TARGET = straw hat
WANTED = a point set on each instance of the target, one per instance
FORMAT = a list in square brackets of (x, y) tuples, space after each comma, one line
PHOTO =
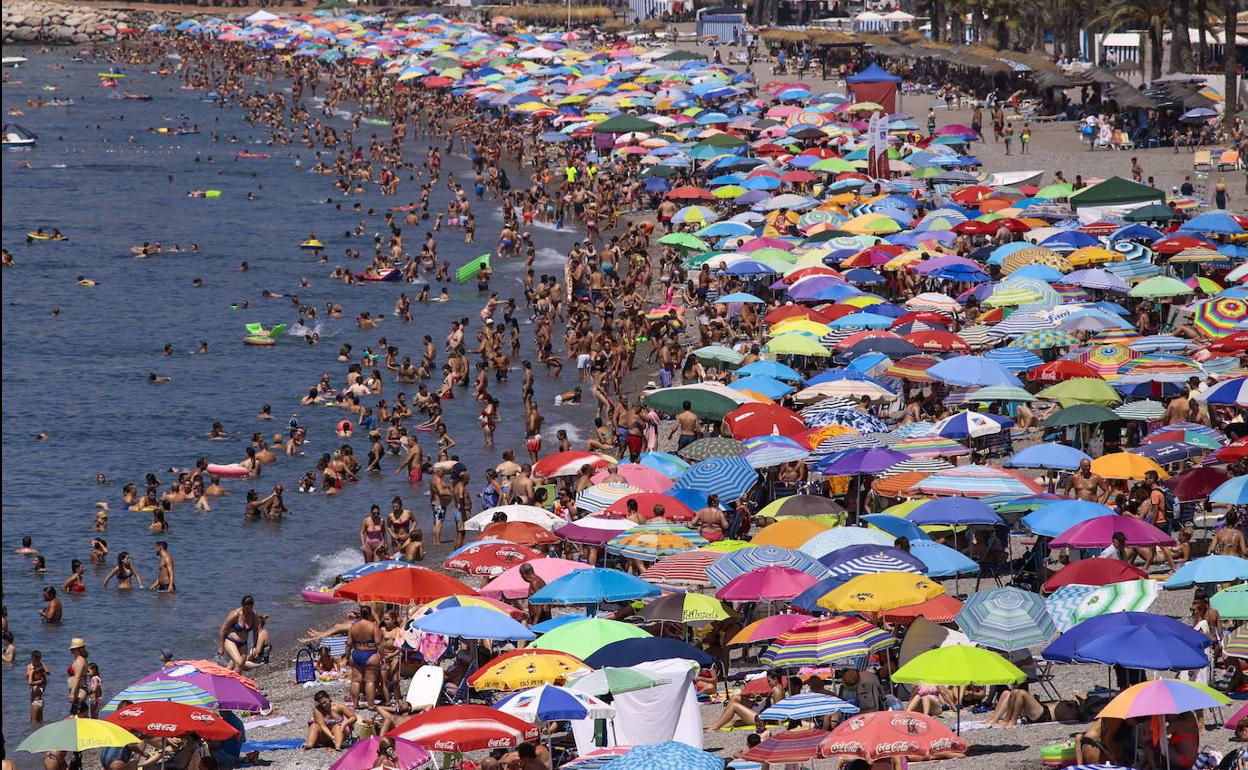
[(77, 643)]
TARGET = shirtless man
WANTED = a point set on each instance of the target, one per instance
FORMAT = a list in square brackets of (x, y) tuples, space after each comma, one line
[(635, 440), (164, 577), (522, 485), (439, 498), (1083, 484), (533, 420), (689, 426)]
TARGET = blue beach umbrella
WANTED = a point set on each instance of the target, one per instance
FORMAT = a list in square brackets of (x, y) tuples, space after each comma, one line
[(742, 297), (1232, 492), (374, 566), (737, 563), (1014, 359), (473, 623), (667, 756), (853, 560), (549, 703), (806, 705), (770, 388), (941, 560), (896, 526), (1055, 456), (594, 586), (954, 511), (1232, 392), (630, 652), (728, 477), (1212, 222), (1209, 569), (972, 370), (1133, 640), (773, 369), (770, 451), (1055, 518), (546, 626), (664, 462)]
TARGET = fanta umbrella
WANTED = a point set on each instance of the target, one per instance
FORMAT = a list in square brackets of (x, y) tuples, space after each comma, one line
[(790, 746), (1055, 518), (614, 681), (880, 592), (651, 542), (569, 463), (826, 641), (550, 703), (364, 755), (165, 719), (491, 558), (688, 568), (667, 756), (630, 652), (1163, 697), (806, 705), (769, 627), (733, 565), (1099, 532), (688, 609), (1071, 605), (594, 586), (466, 728), (959, 666), (1209, 569), (175, 691), (1093, 572), (1125, 465), (473, 623), (586, 637), (883, 734), (788, 533), (524, 668), (1134, 640), (1232, 603), (1006, 618), (510, 585), (766, 584), (76, 735)]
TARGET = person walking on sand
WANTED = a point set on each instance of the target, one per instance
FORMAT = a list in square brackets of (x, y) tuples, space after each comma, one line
[(1137, 171), (1024, 139)]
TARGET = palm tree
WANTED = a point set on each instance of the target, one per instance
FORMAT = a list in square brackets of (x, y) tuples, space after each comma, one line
[(1230, 56), (1151, 15), (1180, 41)]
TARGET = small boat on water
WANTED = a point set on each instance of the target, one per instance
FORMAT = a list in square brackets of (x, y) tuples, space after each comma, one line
[(16, 136), (13, 61)]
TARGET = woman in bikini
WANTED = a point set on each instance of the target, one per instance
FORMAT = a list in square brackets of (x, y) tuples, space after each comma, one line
[(75, 583), (364, 650), (239, 628), (124, 572), (399, 524), (372, 534), (37, 680)]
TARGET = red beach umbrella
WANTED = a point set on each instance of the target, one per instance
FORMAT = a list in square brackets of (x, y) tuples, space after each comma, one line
[(166, 719), (1093, 572), (1060, 371), (568, 463), (1196, 483), (690, 193), (750, 420), (936, 339), (406, 585), (673, 509), (466, 728), (522, 532), (491, 558), (890, 734), (787, 747)]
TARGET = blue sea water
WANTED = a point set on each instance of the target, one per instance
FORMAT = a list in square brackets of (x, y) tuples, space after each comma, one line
[(81, 375)]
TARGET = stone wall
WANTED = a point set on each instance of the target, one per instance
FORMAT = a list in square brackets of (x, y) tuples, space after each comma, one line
[(34, 21)]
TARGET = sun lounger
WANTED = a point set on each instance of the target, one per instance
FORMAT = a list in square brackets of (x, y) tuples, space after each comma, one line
[(1202, 160), (1229, 161)]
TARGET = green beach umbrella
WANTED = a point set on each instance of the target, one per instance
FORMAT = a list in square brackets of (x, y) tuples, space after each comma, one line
[(719, 353), (585, 637), (1160, 286), (1082, 390), (833, 165), (613, 681), (710, 401), (685, 241), (1153, 212), (796, 344), (727, 191), (625, 124), (712, 446), (1232, 603), (1059, 191), (959, 666), (1080, 414)]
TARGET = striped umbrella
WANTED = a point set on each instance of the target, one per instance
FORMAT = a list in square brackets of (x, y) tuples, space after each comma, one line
[(788, 747), (732, 565), (835, 640), (1015, 358), (1093, 255), (1161, 343), (977, 336), (977, 481), (925, 466), (1204, 430), (1006, 619), (806, 705), (999, 393), (1035, 255), (838, 444), (1236, 644), (728, 477), (1019, 324), (1131, 250), (714, 446), (1062, 603), (687, 568), (1141, 410), (1096, 278), (912, 368), (913, 430), (1044, 339), (173, 690), (1128, 596), (1134, 269), (599, 496), (1106, 360), (651, 542), (1219, 316), (837, 538), (770, 451), (869, 560), (851, 418), (831, 404), (664, 462)]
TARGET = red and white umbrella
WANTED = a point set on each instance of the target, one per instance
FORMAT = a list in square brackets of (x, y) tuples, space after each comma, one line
[(166, 719), (569, 463), (490, 558), (466, 728)]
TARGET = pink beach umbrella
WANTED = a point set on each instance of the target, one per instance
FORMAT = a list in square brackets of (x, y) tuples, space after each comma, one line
[(1099, 532), (510, 585), (766, 584), (363, 756), (643, 477)]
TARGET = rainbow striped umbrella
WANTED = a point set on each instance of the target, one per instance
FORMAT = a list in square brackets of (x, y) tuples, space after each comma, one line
[(927, 465), (1219, 316), (1163, 697), (913, 368), (826, 641), (788, 747), (687, 568), (173, 690), (1106, 360), (977, 481), (1237, 645)]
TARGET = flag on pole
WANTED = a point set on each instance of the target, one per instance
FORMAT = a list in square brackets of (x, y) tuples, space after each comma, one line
[(877, 147), (470, 270)]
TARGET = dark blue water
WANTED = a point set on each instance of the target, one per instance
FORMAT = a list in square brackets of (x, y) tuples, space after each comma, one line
[(81, 376)]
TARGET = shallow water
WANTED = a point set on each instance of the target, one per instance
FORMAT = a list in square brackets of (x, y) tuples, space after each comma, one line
[(81, 376)]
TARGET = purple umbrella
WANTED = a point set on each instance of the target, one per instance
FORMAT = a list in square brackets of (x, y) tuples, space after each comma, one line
[(363, 755), (574, 533), (856, 461), (1099, 532), (230, 692)]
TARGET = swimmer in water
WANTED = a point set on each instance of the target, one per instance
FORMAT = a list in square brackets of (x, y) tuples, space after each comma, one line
[(154, 377)]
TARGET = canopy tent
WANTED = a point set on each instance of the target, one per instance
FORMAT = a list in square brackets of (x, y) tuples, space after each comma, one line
[(1113, 198), (875, 84)]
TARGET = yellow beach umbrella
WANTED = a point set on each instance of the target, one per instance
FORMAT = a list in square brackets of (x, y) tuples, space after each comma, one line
[(880, 592), (1125, 465)]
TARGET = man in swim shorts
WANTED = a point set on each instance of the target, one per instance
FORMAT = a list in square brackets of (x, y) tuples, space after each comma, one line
[(439, 499)]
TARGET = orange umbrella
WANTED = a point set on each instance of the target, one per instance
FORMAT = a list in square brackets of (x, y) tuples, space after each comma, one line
[(942, 609), (406, 585), (788, 533), (898, 485), (522, 532)]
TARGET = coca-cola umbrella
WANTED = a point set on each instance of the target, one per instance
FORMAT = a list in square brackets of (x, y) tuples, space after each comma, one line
[(166, 719), (490, 558), (882, 734), (466, 728)]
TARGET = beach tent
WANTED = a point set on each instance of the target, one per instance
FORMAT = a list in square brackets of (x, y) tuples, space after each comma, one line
[(875, 84), (1112, 199), (260, 17)]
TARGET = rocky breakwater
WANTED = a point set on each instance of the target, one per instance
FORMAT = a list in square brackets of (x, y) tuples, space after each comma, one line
[(31, 21)]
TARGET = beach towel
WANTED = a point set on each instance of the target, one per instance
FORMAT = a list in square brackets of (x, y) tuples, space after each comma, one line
[(270, 722), (277, 744)]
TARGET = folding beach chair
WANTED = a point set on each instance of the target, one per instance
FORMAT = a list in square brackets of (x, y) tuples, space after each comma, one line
[(1202, 160)]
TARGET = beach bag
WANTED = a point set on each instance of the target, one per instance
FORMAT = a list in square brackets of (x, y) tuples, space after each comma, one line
[(305, 667), (1058, 754)]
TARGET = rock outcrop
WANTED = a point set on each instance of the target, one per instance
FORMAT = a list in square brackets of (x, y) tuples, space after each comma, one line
[(35, 21)]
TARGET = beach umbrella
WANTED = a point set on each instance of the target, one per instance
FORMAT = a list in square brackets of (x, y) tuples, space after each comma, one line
[(1196, 483), (551, 703), (941, 560), (490, 558), (175, 691), (166, 719), (79, 734), (826, 641), (410, 585), (970, 424), (685, 608), (673, 509), (772, 369), (1209, 569), (631, 652), (830, 540), (1144, 411), (1162, 697), (771, 451), (769, 627), (868, 559), (1080, 414), (568, 464), (1232, 603), (1133, 640), (713, 446), (790, 746), (958, 666), (1054, 456), (1073, 604), (1054, 518), (511, 585), (752, 420), (614, 681), (688, 568), (670, 755), (525, 668), (788, 533), (884, 734), (585, 637), (1006, 618), (666, 463), (650, 542), (976, 481), (1082, 390), (464, 728), (1160, 286), (1092, 573), (232, 691), (728, 477), (687, 240), (364, 754), (766, 584), (1219, 316), (972, 370), (806, 705), (730, 566), (709, 401), (954, 511), (1232, 392), (460, 600), (522, 532), (1125, 465), (472, 623), (859, 461), (880, 592), (1098, 533)]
